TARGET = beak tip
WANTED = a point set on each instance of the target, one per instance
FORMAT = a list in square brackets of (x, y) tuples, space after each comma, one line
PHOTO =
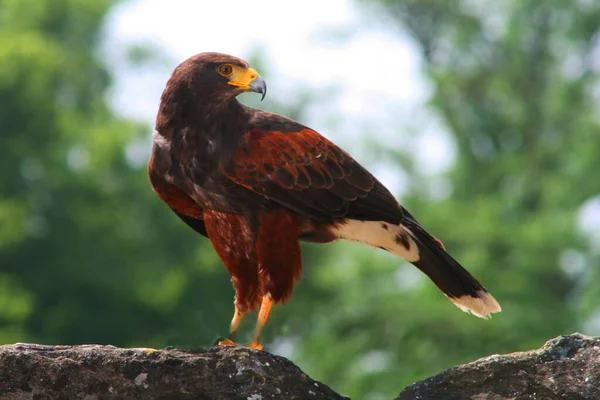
[(259, 86)]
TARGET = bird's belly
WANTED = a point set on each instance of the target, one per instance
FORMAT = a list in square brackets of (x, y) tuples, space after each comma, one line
[(226, 198), (214, 200)]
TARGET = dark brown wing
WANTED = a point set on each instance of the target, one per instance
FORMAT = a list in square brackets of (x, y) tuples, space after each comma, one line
[(307, 173), (179, 202), (196, 224)]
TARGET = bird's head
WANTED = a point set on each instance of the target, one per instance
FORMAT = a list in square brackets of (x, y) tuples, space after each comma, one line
[(219, 75)]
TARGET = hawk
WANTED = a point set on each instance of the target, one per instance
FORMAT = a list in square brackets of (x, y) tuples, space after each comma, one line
[(257, 183)]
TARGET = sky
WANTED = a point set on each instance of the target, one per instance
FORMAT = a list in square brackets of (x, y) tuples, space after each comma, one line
[(298, 39)]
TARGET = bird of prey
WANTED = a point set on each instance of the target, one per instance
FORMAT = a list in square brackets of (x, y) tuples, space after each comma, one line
[(257, 183)]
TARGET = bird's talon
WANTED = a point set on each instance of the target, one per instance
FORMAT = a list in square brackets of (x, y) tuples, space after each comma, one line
[(256, 346), (226, 342)]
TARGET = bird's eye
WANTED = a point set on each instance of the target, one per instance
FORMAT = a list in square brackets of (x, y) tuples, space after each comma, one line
[(225, 69)]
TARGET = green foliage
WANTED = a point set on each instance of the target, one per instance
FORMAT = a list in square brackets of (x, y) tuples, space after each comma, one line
[(88, 253), (512, 85)]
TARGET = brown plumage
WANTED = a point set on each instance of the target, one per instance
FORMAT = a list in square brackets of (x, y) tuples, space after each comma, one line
[(257, 183)]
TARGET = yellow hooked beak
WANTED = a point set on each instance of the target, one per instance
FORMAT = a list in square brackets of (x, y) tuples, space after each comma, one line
[(248, 79)]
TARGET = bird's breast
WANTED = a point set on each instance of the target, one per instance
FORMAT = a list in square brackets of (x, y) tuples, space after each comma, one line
[(193, 158)]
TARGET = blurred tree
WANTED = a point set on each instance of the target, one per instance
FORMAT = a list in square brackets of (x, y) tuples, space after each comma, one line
[(515, 86), (87, 251)]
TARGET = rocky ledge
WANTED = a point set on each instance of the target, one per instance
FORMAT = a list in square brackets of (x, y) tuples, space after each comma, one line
[(567, 367)]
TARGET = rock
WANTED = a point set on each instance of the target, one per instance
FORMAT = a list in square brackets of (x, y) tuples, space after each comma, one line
[(567, 367), (106, 372)]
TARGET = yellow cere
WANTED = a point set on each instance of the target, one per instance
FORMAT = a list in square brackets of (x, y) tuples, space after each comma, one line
[(242, 77)]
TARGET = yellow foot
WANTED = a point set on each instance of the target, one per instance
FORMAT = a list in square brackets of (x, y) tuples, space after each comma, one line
[(226, 342), (256, 346)]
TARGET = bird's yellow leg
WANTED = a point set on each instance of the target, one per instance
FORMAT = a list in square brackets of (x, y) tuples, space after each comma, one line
[(235, 323), (263, 316)]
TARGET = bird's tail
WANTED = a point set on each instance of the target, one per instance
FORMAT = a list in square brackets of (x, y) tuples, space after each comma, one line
[(450, 277), (411, 242)]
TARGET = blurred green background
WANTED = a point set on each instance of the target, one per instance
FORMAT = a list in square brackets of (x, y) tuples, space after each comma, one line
[(89, 254)]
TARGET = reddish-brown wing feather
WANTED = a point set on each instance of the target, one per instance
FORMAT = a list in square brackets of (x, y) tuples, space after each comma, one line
[(309, 174)]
